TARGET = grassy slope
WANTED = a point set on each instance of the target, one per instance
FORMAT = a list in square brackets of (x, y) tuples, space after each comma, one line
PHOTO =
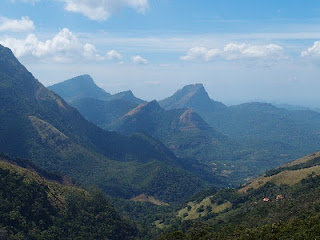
[(288, 174), (296, 216)]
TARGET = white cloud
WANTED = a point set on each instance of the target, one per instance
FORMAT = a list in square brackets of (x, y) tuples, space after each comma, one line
[(139, 60), (16, 25), (237, 51), (91, 53), (101, 10), (63, 47), (201, 53), (113, 55), (234, 51), (313, 51)]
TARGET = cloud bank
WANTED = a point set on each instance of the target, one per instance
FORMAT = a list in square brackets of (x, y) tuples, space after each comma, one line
[(234, 51), (63, 47)]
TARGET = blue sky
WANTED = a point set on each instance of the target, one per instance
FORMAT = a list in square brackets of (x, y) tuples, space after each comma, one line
[(241, 50)]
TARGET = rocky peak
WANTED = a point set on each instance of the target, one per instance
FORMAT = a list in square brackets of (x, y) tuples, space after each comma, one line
[(189, 96)]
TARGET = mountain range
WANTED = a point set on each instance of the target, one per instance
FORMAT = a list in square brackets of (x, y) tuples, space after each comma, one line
[(277, 133), (181, 130), (236, 142), (94, 103), (292, 133), (37, 124)]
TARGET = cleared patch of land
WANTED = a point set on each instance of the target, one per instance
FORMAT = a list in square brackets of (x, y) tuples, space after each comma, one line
[(206, 206)]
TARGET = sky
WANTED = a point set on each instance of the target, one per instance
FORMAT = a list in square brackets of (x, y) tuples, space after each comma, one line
[(241, 50)]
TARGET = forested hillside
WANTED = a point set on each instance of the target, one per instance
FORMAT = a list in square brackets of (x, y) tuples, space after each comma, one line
[(33, 207)]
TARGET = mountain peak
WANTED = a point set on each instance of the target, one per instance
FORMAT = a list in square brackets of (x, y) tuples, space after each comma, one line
[(79, 87), (196, 86), (128, 93), (192, 96), (189, 96), (193, 89), (128, 96), (10, 66), (147, 107), (84, 79), (153, 105)]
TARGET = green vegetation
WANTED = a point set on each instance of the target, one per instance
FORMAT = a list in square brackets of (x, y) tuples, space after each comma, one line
[(288, 174), (187, 135), (299, 166), (292, 211), (32, 207), (205, 207), (183, 131)]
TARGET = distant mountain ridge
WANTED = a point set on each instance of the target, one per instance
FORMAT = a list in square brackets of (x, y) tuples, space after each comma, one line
[(83, 86), (252, 132), (44, 128), (261, 126), (94, 103), (181, 130), (150, 118), (79, 87), (257, 132)]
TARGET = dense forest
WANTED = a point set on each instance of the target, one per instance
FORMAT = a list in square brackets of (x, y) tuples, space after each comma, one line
[(33, 207)]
